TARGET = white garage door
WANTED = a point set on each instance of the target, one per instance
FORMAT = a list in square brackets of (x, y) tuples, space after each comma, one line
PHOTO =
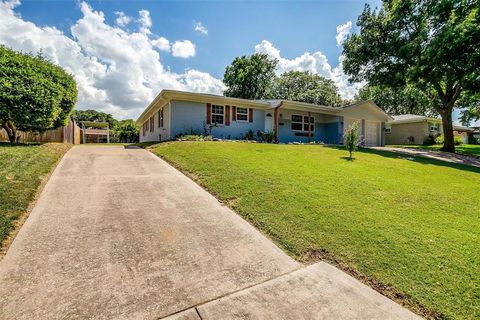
[(372, 130)]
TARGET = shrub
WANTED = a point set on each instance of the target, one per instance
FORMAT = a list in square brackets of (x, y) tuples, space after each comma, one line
[(473, 140), (351, 138), (265, 136), (193, 137), (430, 140), (456, 138), (249, 135)]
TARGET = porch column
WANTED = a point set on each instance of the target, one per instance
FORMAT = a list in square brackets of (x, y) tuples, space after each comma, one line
[(309, 129), (382, 135), (275, 121), (340, 129)]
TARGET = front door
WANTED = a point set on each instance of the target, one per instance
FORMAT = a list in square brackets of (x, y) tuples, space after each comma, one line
[(268, 122)]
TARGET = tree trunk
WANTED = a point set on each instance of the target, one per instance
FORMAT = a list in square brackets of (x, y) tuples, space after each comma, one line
[(11, 131), (448, 141)]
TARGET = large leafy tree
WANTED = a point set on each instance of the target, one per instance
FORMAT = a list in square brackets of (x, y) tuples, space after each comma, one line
[(430, 45), (94, 116), (305, 87), (250, 77), (398, 101), (35, 94), (126, 131)]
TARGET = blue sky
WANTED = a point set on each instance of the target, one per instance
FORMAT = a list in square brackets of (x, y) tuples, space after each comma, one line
[(123, 53)]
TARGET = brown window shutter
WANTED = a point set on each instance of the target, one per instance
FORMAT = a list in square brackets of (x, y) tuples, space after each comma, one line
[(161, 118), (234, 113), (209, 113), (227, 115), (250, 115)]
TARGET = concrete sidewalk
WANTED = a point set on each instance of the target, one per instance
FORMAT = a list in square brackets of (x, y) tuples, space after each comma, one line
[(433, 154), (119, 234)]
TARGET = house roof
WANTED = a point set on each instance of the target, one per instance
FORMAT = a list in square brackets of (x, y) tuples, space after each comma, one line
[(409, 118), (412, 118), (165, 96)]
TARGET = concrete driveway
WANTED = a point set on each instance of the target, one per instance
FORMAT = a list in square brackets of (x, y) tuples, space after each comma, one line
[(119, 234)]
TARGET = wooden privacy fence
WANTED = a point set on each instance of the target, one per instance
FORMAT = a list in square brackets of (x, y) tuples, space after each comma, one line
[(68, 134)]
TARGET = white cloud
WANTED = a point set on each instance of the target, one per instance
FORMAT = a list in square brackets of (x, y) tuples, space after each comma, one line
[(199, 27), (116, 71), (122, 20), (316, 63), (183, 49), (343, 31), (162, 44), (145, 21)]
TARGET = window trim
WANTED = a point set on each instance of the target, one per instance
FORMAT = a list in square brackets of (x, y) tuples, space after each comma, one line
[(303, 123), (433, 125), (218, 114), (246, 114)]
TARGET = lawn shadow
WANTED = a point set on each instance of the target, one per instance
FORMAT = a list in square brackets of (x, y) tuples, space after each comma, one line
[(348, 159), (417, 159)]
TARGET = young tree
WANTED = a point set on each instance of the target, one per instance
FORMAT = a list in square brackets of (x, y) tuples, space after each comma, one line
[(306, 87), (250, 77), (351, 138), (431, 45), (35, 95)]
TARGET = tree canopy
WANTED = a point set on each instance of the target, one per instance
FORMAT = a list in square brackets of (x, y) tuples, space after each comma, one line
[(397, 101), (35, 94), (95, 116), (430, 45), (250, 77), (305, 87)]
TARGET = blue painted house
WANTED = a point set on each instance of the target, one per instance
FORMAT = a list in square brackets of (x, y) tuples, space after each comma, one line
[(175, 113)]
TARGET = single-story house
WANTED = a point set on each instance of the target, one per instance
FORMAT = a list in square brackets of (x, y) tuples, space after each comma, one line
[(415, 129), (175, 113)]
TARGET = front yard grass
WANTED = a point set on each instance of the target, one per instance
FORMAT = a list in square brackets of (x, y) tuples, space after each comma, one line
[(465, 149), (22, 168), (410, 225)]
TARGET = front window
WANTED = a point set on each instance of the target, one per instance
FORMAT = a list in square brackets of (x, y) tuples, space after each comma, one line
[(433, 127), (300, 123), (388, 129), (242, 114), (218, 114)]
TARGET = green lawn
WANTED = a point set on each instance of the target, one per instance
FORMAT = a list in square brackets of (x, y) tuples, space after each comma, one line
[(466, 149), (22, 168), (412, 225)]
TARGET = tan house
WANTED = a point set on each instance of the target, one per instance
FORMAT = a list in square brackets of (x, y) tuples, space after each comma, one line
[(415, 129)]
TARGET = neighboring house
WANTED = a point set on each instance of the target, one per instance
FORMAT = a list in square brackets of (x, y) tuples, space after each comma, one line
[(415, 129), (175, 113)]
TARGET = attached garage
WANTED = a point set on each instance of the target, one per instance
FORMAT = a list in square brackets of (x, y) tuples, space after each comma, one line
[(370, 119)]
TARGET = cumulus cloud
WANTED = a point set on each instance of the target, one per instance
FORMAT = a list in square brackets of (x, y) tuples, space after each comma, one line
[(145, 21), (116, 71), (122, 20), (199, 27), (183, 49), (316, 63), (162, 44), (343, 31)]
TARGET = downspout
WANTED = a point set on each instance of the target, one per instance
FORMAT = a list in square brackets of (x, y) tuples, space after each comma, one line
[(275, 119)]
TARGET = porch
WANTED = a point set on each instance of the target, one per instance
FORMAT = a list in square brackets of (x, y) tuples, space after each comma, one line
[(296, 122)]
